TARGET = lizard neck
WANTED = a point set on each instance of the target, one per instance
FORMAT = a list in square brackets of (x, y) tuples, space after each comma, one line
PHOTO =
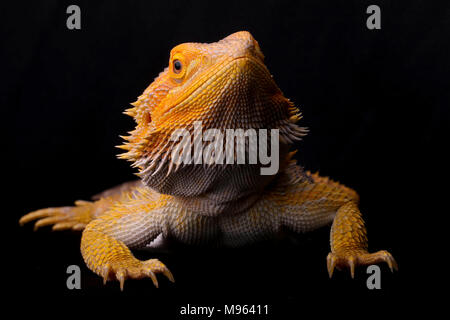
[(233, 190), (207, 205)]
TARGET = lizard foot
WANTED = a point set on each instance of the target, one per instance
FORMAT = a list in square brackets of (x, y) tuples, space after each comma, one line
[(62, 218), (351, 258), (134, 269)]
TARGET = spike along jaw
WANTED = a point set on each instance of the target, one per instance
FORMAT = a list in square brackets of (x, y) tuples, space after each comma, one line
[(221, 85)]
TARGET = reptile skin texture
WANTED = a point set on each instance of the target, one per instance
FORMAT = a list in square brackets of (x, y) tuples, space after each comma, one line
[(225, 85)]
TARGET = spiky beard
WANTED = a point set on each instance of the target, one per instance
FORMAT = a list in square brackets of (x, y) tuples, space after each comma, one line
[(152, 155)]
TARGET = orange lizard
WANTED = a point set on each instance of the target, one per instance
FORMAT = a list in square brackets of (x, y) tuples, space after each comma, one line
[(225, 85)]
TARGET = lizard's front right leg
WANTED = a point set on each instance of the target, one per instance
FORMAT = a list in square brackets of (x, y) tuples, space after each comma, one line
[(106, 241)]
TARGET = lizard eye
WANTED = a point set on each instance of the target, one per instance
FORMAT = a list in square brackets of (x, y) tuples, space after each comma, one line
[(177, 66)]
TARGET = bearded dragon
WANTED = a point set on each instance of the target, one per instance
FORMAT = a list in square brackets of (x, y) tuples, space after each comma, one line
[(225, 85)]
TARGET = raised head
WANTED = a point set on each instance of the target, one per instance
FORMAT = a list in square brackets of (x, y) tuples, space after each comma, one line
[(225, 85)]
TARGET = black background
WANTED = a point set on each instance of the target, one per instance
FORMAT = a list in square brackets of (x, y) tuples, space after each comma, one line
[(374, 101)]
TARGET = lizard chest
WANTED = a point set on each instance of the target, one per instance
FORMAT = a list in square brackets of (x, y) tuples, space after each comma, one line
[(191, 228)]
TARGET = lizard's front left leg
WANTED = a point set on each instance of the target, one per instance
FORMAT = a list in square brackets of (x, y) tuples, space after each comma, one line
[(308, 206), (106, 241), (349, 242)]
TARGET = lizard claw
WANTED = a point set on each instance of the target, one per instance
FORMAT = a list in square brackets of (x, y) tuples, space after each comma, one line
[(134, 269), (168, 274), (105, 273), (351, 264), (64, 218), (61, 218), (157, 266), (331, 264), (385, 256), (152, 276), (121, 275), (352, 258)]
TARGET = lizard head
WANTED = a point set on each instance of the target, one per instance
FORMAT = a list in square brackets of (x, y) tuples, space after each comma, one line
[(225, 85)]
